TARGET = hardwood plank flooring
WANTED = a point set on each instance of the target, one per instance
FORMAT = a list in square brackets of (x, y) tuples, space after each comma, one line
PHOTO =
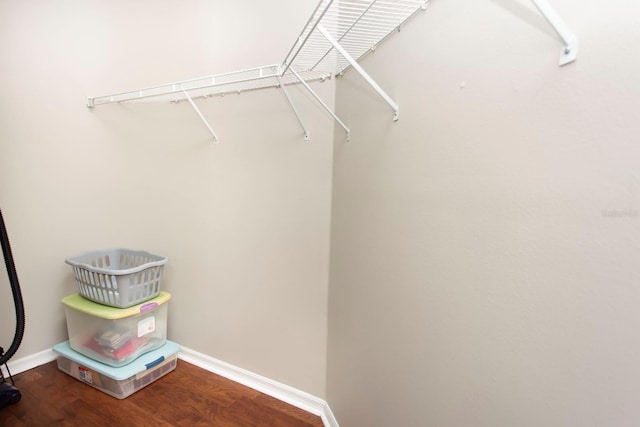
[(189, 397)]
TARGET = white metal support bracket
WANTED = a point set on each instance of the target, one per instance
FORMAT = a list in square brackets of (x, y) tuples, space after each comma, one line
[(195, 107), (363, 73), (569, 51), (293, 107), (325, 106)]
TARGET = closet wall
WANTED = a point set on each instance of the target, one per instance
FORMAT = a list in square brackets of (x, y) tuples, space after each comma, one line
[(245, 222), (484, 255)]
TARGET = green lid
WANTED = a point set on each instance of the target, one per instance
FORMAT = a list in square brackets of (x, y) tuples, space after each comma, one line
[(80, 303)]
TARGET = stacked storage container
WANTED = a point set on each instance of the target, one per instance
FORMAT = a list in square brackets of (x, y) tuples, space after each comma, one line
[(117, 323)]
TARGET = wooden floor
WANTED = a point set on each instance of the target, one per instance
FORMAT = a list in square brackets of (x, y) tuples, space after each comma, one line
[(188, 396)]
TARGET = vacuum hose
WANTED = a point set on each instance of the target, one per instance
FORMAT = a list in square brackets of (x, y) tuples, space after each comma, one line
[(15, 289)]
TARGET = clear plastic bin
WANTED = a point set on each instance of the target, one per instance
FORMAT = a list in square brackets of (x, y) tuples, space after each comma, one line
[(118, 382), (115, 336)]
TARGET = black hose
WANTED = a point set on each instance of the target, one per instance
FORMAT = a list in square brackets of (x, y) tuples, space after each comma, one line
[(15, 289)]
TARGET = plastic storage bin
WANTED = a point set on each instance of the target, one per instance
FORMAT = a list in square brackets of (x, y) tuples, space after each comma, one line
[(118, 277), (118, 382), (116, 336)]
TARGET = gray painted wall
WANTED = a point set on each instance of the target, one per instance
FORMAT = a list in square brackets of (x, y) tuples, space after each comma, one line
[(245, 223), (484, 255), (483, 249)]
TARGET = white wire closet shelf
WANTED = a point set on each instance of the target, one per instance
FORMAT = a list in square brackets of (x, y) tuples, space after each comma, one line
[(262, 77), (336, 36), (340, 32), (358, 26)]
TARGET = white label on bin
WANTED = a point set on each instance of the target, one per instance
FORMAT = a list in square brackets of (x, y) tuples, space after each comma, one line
[(85, 375), (146, 326)]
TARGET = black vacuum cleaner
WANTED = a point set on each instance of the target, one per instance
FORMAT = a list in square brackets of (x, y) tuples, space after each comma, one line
[(9, 394)]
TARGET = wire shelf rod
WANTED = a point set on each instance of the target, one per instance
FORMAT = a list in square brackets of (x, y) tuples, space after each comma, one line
[(177, 87), (315, 24), (355, 22), (376, 13), (422, 8), (285, 80), (309, 21), (358, 26), (380, 12), (183, 82)]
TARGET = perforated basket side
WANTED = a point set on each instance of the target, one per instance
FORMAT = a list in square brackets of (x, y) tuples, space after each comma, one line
[(98, 287), (119, 291), (136, 259), (116, 261), (118, 277), (140, 286)]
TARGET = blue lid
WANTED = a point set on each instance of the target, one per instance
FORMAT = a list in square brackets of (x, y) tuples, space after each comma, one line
[(139, 365)]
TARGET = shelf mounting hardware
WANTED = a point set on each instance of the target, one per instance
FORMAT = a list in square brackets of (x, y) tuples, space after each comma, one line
[(195, 107), (569, 51), (363, 73), (293, 107), (321, 102)]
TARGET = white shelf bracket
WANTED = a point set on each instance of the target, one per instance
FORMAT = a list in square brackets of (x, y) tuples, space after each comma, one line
[(325, 106), (363, 73), (569, 51), (195, 107), (293, 107)]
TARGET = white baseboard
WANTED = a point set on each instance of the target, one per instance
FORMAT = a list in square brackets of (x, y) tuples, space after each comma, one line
[(29, 362), (283, 392)]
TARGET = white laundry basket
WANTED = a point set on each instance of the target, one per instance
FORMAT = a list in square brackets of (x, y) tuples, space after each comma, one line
[(118, 277)]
